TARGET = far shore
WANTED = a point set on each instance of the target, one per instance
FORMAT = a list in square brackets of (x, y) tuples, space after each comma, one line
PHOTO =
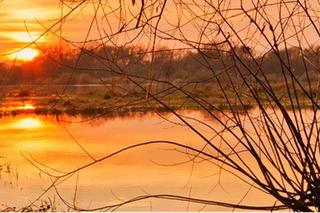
[(103, 99)]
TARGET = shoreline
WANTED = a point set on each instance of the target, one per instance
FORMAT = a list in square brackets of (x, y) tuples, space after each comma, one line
[(115, 111)]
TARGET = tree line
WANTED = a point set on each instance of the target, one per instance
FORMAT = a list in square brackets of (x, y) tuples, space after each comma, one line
[(181, 65)]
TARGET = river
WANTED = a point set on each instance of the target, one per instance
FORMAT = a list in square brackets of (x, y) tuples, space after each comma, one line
[(66, 143)]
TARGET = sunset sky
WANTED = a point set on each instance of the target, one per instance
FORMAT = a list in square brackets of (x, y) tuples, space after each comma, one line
[(16, 15), (25, 21)]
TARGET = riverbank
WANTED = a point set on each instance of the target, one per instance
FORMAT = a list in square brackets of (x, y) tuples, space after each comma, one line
[(98, 99)]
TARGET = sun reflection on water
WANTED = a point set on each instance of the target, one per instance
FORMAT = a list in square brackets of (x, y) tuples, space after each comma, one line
[(28, 123), (27, 106), (17, 106)]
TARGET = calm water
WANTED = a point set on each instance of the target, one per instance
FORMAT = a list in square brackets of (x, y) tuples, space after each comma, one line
[(154, 169)]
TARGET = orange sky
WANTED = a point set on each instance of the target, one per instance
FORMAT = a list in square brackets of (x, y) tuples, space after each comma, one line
[(16, 16), (25, 21)]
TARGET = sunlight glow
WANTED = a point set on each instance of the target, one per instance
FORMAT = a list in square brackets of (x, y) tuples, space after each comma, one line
[(27, 54), (28, 123), (26, 37), (31, 12), (27, 107)]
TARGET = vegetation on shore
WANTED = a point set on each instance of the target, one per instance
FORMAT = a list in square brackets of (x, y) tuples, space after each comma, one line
[(99, 99), (173, 76)]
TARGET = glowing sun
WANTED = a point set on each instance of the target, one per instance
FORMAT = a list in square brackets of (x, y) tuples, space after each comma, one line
[(27, 54)]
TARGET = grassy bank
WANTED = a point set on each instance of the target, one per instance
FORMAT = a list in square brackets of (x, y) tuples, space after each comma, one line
[(97, 99)]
